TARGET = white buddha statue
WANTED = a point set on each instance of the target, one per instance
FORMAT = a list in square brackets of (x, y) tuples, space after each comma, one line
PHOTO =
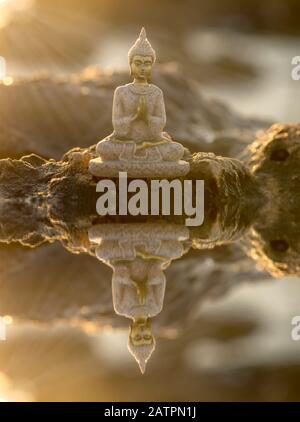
[(138, 143)]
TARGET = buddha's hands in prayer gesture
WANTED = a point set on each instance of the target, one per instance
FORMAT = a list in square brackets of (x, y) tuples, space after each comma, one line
[(141, 113)]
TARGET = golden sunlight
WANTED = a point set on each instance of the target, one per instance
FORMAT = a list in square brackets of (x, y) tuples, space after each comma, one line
[(8, 9), (11, 393)]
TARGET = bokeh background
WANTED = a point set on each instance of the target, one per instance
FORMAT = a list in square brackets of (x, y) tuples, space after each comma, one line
[(233, 346), (239, 50)]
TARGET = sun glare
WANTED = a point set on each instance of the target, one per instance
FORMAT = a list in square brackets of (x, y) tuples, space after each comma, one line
[(9, 8)]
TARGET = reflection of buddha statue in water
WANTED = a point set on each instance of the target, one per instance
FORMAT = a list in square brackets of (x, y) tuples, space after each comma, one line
[(139, 254), (138, 143), (138, 286)]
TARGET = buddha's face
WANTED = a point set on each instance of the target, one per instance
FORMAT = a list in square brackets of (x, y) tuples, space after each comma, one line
[(141, 67), (140, 332)]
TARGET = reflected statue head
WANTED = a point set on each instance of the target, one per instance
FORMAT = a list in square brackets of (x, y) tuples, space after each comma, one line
[(141, 342)]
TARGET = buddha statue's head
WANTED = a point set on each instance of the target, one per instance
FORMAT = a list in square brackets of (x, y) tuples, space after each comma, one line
[(141, 58), (141, 342)]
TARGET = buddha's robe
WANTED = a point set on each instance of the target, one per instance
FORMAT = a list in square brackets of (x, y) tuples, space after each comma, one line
[(139, 139), (125, 104), (110, 251), (125, 296)]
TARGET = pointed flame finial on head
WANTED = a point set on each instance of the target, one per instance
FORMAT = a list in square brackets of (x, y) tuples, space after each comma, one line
[(142, 47), (143, 34), (141, 353)]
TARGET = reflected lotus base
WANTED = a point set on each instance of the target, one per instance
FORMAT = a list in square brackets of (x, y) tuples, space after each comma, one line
[(168, 169)]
